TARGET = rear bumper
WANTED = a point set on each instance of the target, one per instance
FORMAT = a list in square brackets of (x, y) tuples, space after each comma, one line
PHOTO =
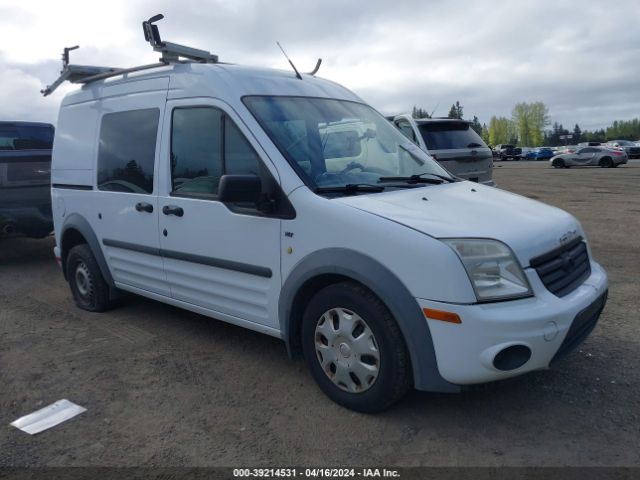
[(26, 209), (548, 326), (26, 219)]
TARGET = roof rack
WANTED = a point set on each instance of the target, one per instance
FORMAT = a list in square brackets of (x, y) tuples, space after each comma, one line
[(171, 53)]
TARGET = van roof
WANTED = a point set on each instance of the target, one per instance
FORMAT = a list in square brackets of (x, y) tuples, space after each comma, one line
[(220, 80)]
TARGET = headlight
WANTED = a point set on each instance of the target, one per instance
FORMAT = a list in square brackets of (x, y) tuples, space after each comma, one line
[(492, 268)]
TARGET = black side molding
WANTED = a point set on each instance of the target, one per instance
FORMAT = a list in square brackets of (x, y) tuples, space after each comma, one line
[(188, 257), (131, 246), (69, 186)]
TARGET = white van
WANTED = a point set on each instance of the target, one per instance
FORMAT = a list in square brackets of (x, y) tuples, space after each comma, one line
[(217, 188)]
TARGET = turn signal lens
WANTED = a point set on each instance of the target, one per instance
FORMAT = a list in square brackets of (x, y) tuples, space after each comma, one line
[(440, 315)]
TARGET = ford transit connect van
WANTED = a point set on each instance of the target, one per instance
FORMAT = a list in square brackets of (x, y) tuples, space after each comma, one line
[(283, 203)]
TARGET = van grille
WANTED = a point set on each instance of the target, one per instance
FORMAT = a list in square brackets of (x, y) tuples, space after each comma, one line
[(563, 269)]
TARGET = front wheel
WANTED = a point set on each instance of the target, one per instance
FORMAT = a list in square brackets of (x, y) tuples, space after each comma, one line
[(558, 163), (354, 348)]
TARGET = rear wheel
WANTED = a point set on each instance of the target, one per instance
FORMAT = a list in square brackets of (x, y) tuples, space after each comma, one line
[(558, 163), (354, 348), (606, 162), (88, 286)]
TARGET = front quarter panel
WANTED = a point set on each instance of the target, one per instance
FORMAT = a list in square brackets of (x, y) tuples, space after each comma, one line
[(396, 262), (428, 267)]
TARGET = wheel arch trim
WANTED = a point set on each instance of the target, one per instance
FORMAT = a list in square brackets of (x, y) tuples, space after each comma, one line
[(349, 264), (81, 225)]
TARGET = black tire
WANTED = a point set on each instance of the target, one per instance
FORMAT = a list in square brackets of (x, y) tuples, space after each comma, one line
[(394, 376), (88, 286), (605, 162), (559, 163)]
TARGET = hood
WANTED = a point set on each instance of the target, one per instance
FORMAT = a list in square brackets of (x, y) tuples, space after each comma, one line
[(466, 209)]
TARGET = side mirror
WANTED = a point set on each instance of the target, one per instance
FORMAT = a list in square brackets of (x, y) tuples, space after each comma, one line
[(240, 189)]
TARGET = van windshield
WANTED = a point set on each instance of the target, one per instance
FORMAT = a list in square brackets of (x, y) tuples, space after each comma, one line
[(334, 143), (450, 135)]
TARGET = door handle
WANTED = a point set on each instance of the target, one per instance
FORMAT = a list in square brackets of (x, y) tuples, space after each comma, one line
[(144, 207), (173, 210)]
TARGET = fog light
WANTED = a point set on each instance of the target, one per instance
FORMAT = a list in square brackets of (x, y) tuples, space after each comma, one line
[(512, 357)]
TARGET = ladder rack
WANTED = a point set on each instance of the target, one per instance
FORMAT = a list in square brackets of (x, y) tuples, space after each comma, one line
[(171, 53)]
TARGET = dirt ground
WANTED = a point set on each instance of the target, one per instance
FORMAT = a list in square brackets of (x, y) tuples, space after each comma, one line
[(165, 387)]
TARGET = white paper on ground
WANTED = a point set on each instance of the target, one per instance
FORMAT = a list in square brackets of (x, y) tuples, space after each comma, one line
[(48, 417)]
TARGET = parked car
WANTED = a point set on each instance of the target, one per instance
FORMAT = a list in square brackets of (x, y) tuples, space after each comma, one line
[(508, 152), (209, 186), (25, 178), (564, 149), (453, 143), (589, 144), (525, 150), (631, 149), (590, 156), (542, 153)]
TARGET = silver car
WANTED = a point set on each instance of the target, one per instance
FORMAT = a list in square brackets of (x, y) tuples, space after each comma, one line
[(453, 143), (590, 156)]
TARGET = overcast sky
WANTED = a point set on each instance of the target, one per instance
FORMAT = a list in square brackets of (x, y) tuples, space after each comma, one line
[(581, 58)]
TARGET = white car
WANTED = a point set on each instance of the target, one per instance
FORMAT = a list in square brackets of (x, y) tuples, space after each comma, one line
[(208, 186)]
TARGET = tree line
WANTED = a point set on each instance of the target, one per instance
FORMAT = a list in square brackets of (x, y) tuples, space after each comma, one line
[(528, 124)]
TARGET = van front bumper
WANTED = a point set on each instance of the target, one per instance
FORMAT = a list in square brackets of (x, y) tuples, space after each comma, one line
[(544, 325)]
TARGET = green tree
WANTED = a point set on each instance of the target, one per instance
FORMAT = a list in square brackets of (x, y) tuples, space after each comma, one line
[(577, 134), (501, 130), (485, 134), (419, 112), (455, 111), (476, 125), (624, 130), (530, 120)]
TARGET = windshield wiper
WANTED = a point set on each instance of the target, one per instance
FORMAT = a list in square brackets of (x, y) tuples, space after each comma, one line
[(351, 188), (418, 178), (474, 145)]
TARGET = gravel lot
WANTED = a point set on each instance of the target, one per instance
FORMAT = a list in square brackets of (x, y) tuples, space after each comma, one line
[(167, 387)]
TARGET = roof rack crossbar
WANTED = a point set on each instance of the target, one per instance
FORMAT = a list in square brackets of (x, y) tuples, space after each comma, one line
[(171, 53)]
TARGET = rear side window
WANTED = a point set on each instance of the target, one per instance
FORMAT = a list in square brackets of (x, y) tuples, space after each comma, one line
[(206, 144), (15, 136), (450, 135), (127, 149)]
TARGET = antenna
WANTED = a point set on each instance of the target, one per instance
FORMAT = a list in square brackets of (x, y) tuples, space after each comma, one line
[(434, 110), (291, 63), (316, 68)]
